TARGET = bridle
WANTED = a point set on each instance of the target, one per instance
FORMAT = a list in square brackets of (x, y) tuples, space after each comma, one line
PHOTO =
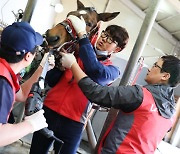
[(69, 28), (71, 31), (74, 38)]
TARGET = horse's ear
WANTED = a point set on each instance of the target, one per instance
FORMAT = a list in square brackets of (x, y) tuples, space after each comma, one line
[(80, 5), (107, 16)]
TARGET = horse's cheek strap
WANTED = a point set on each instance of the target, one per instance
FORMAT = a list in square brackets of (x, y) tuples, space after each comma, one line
[(73, 30)]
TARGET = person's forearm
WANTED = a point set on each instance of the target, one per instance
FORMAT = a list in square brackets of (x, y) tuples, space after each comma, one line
[(22, 95), (77, 71), (13, 132)]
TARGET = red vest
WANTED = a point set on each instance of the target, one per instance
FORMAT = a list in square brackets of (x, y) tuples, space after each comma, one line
[(7, 72), (146, 128), (67, 99)]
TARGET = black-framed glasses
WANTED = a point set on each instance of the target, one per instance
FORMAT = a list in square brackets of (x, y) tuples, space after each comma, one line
[(157, 66), (109, 39)]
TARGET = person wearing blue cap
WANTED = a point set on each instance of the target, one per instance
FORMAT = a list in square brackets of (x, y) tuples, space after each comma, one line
[(18, 46)]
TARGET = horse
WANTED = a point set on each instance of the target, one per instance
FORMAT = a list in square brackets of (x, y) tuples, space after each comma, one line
[(64, 34), (60, 34)]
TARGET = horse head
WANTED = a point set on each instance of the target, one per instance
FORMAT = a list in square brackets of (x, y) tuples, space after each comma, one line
[(61, 32)]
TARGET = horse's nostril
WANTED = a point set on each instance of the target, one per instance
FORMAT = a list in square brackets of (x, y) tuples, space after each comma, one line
[(53, 39)]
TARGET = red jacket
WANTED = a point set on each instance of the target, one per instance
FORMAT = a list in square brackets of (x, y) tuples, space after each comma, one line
[(8, 73), (67, 99), (135, 136)]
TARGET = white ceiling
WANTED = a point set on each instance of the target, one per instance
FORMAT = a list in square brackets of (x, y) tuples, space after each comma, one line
[(168, 19), (168, 16)]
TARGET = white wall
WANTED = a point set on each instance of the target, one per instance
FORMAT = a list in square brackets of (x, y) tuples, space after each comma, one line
[(42, 18)]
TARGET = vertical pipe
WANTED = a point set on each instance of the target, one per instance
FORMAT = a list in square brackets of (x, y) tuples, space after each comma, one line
[(175, 139), (106, 5), (136, 53), (29, 10), (91, 135), (141, 40)]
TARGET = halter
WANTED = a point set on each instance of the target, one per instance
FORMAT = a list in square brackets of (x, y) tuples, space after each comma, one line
[(71, 31), (69, 28)]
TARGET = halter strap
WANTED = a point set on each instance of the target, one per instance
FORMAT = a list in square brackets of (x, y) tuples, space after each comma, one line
[(69, 28)]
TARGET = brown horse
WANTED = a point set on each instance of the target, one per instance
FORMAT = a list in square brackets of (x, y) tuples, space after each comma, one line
[(64, 31), (59, 34)]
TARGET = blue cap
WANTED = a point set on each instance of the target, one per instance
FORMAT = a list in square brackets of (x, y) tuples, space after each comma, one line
[(20, 37)]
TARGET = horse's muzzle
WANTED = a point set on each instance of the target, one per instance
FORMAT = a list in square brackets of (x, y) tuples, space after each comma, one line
[(52, 40)]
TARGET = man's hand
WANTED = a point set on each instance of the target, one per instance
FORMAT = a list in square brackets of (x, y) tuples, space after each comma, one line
[(37, 120), (51, 61), (78, 24), (67, 59)]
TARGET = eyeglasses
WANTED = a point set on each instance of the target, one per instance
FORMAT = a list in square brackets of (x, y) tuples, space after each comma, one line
[(109, 39), (156, 65)]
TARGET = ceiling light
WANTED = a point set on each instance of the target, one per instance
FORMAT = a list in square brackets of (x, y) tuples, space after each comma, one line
[(59, 8)]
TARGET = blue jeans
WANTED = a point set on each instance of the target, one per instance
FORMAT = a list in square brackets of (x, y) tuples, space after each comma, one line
[(65, 129)]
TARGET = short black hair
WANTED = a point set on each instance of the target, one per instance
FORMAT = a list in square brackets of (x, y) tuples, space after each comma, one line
[(171, 64), (118, 34), (7, 54)]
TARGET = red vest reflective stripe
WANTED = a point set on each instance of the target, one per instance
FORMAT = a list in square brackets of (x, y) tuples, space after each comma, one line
[(147, 129), (66, 98)]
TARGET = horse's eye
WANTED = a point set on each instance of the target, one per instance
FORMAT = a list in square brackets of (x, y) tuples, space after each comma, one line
[(89, 24)]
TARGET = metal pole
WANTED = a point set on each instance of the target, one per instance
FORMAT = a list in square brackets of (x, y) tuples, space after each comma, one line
[(29, 10), (136, 53), (106, 5), (91, 135)]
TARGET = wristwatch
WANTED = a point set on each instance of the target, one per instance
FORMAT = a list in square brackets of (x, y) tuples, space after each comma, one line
[(83, 36)]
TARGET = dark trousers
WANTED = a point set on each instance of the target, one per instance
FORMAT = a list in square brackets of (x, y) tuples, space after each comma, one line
[(65, 129)]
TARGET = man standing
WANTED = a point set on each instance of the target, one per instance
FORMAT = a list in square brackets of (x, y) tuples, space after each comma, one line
[(18, 47), (145, 113), (66, 107)]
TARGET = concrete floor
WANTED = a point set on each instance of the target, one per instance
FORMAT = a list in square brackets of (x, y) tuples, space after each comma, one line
[(22, 146)]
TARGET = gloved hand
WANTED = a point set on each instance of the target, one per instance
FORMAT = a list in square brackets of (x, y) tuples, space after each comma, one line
[(67, 59), (37, 120), (78, 24), (51, 61)]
